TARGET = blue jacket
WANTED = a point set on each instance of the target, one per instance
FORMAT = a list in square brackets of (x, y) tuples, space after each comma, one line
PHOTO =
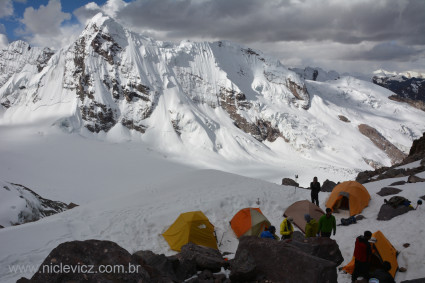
[(267, 234)]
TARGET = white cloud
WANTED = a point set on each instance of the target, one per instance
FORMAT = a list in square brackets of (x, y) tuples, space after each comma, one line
[(6, 8), (45, 20), (44, 26)]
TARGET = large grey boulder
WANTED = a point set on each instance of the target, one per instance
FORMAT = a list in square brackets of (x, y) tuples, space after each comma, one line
[(259, 259), (89, 261)]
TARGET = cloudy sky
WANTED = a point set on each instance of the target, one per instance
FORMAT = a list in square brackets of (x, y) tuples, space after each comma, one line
[(341, 35)]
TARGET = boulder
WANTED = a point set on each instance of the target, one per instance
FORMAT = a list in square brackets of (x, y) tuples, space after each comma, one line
[(388, 212), (328, 186), (90, 261), (415, 179), (204, 258), (386, 191), (259, 259), (289, 182), (321, 247), (398, 183), (165, 269)]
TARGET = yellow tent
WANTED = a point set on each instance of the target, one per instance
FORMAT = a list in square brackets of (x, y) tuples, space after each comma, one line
[(193, 227), (349, 195), (383, 250)]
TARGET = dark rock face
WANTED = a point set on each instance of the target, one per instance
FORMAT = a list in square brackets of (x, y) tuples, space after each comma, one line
[(280, 261), (388, 191), (107, 262), (328, 186), (418, 148)]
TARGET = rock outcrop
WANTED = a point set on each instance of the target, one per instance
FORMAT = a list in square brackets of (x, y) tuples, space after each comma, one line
[(267, 260)]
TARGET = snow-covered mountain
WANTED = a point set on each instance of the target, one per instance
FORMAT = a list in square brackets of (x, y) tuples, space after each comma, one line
[(21, 57), (407, 74), (21, 205), (210, 98)]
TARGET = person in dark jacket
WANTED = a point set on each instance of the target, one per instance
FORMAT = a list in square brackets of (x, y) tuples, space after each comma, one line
[(362, 253), (315, 189), (383, 274), (327, 224), (269, 233)]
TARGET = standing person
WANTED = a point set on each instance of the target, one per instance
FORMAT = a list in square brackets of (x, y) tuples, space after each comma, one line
[(311, 227), (327, 224), (362, 253), (315, 189), (383, 274), (269, 233), (286, 228)]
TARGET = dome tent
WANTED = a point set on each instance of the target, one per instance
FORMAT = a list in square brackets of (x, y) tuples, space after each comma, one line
[(193, 227), (349, 195), (249, 221), (298, 209), (383, 250)]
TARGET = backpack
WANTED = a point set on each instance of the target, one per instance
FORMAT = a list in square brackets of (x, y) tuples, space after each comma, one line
[(348, 221)]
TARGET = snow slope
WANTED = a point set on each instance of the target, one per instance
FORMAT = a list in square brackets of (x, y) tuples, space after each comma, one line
[(135, 220)]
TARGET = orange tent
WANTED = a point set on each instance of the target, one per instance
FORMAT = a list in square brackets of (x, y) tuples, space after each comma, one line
[(349, 195), (298, 209), (249, 221), (383, 250)]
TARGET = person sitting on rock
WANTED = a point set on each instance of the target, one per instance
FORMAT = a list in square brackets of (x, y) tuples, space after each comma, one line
[(270, 233)]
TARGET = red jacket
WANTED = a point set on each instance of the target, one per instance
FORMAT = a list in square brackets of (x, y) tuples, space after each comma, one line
[(362, 249)]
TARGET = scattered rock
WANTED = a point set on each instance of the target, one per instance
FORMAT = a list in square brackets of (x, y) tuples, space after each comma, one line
[(387, 212), (406, 245), (402, 269), (415, 179), (289, 182), (398, 183), (386, 191), (328, 186), (72, 205), (343, 119)]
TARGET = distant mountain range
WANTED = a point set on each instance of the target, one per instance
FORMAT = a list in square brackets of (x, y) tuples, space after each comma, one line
[(216, 97)]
